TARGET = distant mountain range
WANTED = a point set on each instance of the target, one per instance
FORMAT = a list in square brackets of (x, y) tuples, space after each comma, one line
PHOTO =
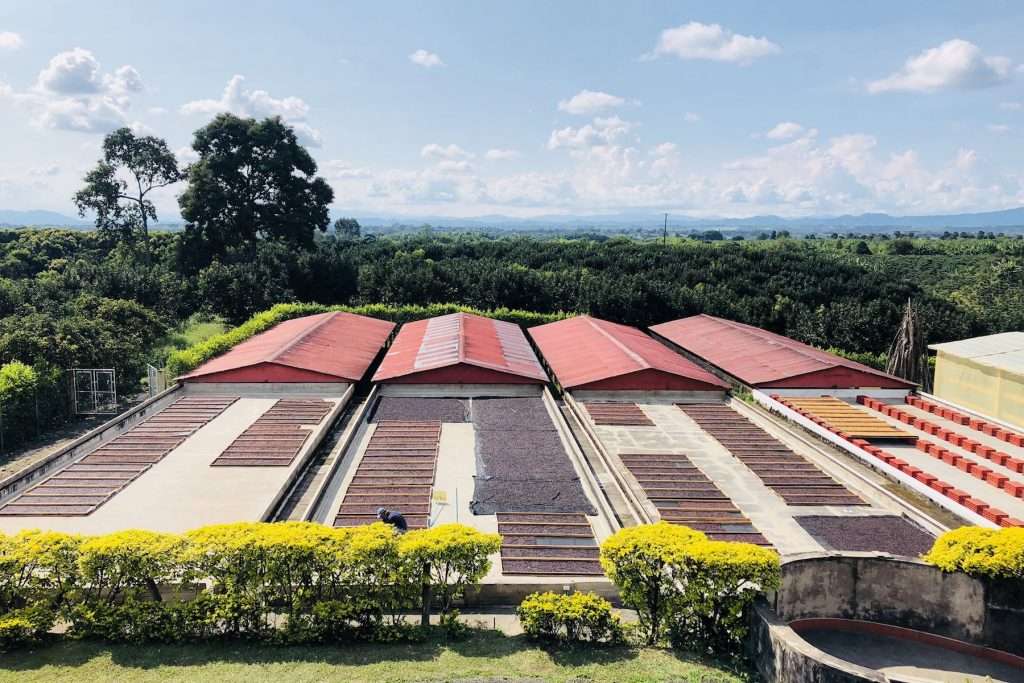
[(1007, 220), (49, 218)]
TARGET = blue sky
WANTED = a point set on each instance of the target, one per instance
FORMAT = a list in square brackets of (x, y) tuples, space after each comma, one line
[(531, 108)]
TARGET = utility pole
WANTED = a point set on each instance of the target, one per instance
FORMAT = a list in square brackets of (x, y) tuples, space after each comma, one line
[(664, 235)]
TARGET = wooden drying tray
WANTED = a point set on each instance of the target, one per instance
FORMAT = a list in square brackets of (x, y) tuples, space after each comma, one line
[(844, 417)]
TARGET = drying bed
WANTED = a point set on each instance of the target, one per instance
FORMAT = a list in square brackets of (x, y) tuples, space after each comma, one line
[(883, 533), (847, 418), (796, 480), (685, 495), (396, 472), (81, 488), (521, 462), (417, 409), (548, 544), (618, 414), (277, 436)]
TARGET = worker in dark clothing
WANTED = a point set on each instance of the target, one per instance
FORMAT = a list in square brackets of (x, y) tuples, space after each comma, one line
[(394, 518)]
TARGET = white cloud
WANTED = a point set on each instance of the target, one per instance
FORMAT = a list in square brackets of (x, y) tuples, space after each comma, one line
[(501, 154), (186, 155), (239, 100), (998, 128), (123, 81), (449, 152), (427, 60), (454, 166), (601, 131), (156, 111), (336, 169), (41, 171), (711, 41), (73, 93), (1012, 106), (590, 102), (691, 117), (784, 131), (10, 40), (74, 72), (956, 64)]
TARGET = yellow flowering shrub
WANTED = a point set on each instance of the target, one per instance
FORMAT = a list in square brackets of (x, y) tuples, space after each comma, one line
[(991, 553), (114, 565), (643, 562), (573, 618), (679, 582), (720, 581), (445, 559)]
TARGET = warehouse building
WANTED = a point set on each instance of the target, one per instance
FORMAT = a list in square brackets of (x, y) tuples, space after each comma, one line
[(984, 374), (462, 428), (668, 444), (223, 446), (769, 361), (588, 354)]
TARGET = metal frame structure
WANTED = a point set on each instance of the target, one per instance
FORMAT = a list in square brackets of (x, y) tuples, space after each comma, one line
[(94, 391)]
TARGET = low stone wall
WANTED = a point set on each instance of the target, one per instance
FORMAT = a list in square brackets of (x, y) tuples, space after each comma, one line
[(880, 588)]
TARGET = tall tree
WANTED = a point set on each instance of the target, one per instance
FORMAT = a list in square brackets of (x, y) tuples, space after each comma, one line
[(118, 188), (253, 180), (347, 228)]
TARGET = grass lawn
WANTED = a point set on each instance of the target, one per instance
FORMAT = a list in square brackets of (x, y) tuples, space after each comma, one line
[(485, 655), (191, 331)]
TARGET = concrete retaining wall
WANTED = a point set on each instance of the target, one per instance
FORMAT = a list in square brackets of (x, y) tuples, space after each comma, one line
[(880, 588)]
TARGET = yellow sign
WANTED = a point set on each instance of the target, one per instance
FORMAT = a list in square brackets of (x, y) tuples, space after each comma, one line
[(441, 497)]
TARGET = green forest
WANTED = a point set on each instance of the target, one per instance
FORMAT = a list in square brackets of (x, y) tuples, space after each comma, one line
[(258, 233)]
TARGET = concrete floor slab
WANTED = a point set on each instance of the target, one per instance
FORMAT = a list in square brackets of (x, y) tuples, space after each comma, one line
[(182, 491), (675, 432)]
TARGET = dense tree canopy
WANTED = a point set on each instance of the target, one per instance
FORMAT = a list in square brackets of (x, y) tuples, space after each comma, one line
[(253, 180), (118, 189)]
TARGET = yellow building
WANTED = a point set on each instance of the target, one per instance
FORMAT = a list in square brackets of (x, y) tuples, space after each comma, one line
[(984, 374)]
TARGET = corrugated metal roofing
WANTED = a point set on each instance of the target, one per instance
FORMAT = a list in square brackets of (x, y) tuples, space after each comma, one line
[(1004, 351), (325, 347), (474, 349), (590, 353), (762, 358)]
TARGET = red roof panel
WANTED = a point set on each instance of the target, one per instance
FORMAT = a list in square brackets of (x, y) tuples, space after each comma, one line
[(326, 347), (761, 358), (460, 340), (589, 353)]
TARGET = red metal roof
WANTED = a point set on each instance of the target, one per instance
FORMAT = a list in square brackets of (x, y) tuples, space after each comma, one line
[(589, 353), (326, 347), (460, 348), (761, 358)]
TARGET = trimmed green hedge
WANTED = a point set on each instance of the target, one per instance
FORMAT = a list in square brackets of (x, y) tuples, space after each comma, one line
[(185, 360), (288, 582)]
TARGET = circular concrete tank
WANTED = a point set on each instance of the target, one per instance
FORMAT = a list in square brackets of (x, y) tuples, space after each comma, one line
[(876, 617)]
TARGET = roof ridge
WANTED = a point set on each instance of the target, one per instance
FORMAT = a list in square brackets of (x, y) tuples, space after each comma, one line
[(806, 350), (461, 316), (329, 315), (640, 360)]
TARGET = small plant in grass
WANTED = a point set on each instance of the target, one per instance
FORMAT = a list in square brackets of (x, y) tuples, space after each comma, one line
[(575, 618)]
